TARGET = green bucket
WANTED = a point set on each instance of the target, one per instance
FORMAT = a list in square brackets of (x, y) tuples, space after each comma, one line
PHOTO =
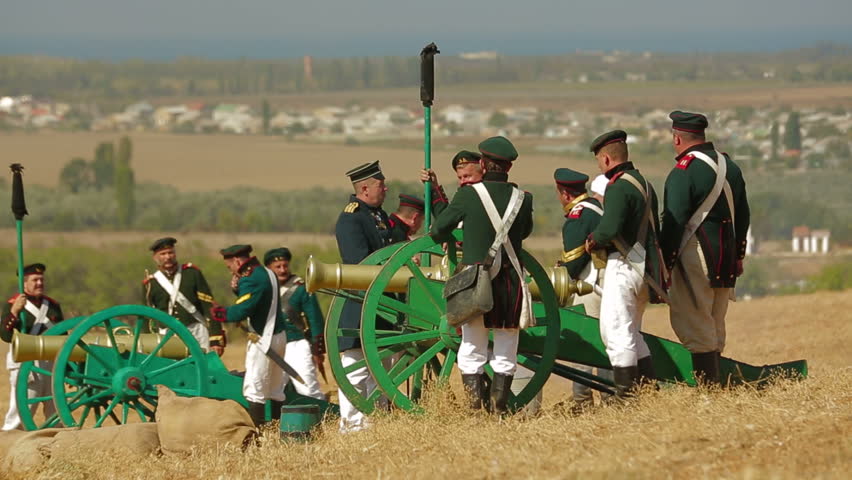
[(297, 421)]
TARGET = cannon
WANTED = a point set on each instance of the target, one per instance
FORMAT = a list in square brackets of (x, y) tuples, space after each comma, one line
[(422, 347), (104, 367)]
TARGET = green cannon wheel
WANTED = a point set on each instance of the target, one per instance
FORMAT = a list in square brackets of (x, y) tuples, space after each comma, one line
[(424, 343), (40, 368), (333, 332), (120, 383)]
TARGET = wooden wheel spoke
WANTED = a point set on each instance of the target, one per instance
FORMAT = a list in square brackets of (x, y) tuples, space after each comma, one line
[(51, 421), (141, 411), (107, 412), (32, 400), (383, 354), (406, 309), (111, 336), (125, 409), (417, 364), (91, 354), (137, 331), (89, 400), (373, 397), (424, 282), (172, 366), (85, 414), (41, 371), (449, 361), (407, 337), (168, 336)]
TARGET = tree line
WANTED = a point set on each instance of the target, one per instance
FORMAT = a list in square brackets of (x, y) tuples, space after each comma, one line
[(86, 80)]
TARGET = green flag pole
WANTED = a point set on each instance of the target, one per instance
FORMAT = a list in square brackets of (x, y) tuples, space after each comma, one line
[(19, 209), (427, 96)]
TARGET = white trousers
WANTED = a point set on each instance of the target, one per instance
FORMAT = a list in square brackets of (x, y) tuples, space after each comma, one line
[(199, 331), (473, 351), (298, 356), (698, 323), (623, 303), (38, 386), (352, 419), (264, 379)]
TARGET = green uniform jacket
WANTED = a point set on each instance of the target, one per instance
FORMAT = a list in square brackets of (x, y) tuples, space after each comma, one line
[(722, 242), (9, 323), (579, 223), (398, 228), (624, 209), (301, 303), (254, 298), (360, 231), (194, 287), (478, 234)]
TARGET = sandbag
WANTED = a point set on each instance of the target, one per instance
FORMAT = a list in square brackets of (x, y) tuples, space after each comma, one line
[(7, 439), (131, 440), (184, 423), (29, 450)]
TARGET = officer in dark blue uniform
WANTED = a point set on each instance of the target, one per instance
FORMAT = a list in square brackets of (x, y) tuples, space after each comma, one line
[(362, 228)]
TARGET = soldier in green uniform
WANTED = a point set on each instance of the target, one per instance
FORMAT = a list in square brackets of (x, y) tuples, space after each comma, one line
[(627, 232), (258, 301), (304, 321), (407, 219), (42, 312), (510, 299), (468, 171), (361, 229), (182, 292), (705, 220), (582, 215)]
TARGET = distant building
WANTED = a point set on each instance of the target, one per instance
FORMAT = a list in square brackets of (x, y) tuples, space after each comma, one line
[(806, 240), (484, 55)]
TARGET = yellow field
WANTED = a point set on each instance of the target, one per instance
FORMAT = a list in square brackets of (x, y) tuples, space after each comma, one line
[(789, 430), (216, 162)]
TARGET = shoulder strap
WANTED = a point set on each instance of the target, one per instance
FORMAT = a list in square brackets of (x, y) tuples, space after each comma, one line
[(501, 225), (720, 167), (591, 206)]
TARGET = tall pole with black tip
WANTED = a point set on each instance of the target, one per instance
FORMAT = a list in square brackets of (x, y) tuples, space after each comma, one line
[(19, 209), (427, 96)]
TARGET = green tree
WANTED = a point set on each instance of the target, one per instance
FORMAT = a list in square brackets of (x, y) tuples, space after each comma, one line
[(793, 132), (103, 166), (76, 175), (266, 113), (498, 119), (775, 138), (125, 198)]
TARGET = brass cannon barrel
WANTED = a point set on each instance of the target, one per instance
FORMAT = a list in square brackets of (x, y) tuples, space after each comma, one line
[(358, 277), (27, 348)]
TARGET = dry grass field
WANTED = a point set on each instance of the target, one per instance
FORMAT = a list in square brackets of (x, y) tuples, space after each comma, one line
[(217, 162), (788, 430)]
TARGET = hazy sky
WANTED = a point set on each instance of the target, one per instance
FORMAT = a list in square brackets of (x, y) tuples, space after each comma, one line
[(270, 28)]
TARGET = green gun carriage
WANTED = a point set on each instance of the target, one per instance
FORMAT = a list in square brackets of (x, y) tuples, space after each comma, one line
[(103, 367), (422, 347)]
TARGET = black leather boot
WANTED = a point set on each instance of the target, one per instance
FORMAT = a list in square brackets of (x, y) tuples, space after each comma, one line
[(646, 371), (625, 379), (705, 367), (257, 412), (276, 409), (501, 387), (473, 387)]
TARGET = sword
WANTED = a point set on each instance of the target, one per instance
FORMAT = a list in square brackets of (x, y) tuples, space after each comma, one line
[(320, 366), (276, 359)]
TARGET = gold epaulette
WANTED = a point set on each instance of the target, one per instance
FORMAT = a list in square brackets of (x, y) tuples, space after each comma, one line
[(205, 297), (351, 207), (574, 254)]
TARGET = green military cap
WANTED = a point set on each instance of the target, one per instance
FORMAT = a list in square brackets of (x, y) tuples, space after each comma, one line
[(276, 254), (34, 268), (498, 148), (162, 243), (235, 251), (411, 201), (465, 157), (688, 122), (365, 171), (614, 136), (571, 179)]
